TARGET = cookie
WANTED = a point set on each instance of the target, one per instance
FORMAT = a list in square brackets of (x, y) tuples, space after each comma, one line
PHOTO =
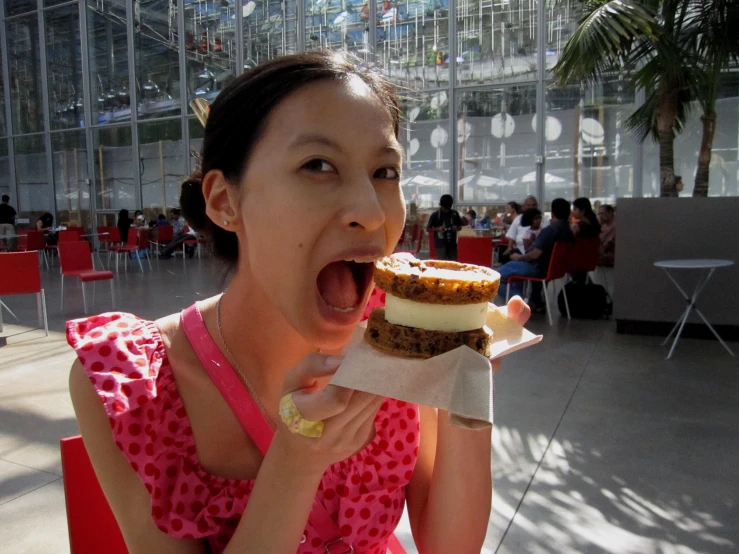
[(436, 281), (413, 342)]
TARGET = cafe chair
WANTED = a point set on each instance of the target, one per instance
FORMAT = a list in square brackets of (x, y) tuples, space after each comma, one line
[(75, 259), (165, 234), (91, 523), (557, 270), (416, 241), (68, 236), (35, 241), (131, 242), (475, 250), (583, 257), (140, 246), (21, 275), (432, 247)]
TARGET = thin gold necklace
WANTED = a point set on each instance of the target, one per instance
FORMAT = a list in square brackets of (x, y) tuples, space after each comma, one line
[(235, 365)]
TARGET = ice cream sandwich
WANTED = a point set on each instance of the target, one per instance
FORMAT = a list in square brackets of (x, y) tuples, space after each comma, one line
[(431, 307)]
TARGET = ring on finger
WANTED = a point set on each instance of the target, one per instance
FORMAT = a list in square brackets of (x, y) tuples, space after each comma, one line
[(296, 423)]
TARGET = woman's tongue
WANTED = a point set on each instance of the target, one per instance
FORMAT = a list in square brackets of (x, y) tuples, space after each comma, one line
[(337, 286)]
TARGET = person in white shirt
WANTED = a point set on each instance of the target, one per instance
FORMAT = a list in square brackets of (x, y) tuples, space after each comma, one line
[(516, 231)]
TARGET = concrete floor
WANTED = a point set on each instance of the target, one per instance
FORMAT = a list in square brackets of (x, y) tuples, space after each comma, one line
[(600, 444)]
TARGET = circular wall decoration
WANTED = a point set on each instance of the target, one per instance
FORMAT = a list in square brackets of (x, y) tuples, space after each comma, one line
[(552, 128), (592, 131), (439, 137), (502, 125)]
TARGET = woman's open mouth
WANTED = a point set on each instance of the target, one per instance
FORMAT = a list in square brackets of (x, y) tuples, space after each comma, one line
[(343, 286)]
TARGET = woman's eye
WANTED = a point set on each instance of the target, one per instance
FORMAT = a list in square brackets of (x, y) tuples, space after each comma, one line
[(321, 166), (387, 173)]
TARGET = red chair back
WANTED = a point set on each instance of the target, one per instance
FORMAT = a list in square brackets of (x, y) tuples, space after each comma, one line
[(35, 240), (584, 255), (143, 239), (432, 247), (165, 233), (75, 256), (559, 260), (79, 230), (114, 234), (92, 525), (22, 239), (475, 250), (133, 237), (20, 273), (69, 236)]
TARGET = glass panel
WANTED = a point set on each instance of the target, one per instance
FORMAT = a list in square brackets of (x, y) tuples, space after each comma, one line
[(337, 24), (14, 7), (109, 61), (590, 152), (723, 177), (210, 47), (114, 183), (25, 75), (69, 155), (197, 132), (563, 18), (34, 191), (496, 141), (270, 30), (157, 60), (4, 165), (3, 125), (413, 42), (425, 137), (162, 166), (49, 3), (496, 41), (64, 62)]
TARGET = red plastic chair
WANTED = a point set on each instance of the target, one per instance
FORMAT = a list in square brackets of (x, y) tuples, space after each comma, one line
[(21, 275), (35, 241), (92, 525), (583, 257), (69, 235), (165, 234), (432, 247), (140, 244), (416, 241), (132, 241), (475, 250), (75, 259), (557, 269)]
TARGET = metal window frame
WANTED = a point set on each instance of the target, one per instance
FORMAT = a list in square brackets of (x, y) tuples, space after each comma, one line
[(13, 181)]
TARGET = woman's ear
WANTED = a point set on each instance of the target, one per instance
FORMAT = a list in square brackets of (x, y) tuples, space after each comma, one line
[(221, 201)]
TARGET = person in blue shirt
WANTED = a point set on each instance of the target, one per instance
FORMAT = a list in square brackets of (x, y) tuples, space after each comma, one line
[(535, 262)]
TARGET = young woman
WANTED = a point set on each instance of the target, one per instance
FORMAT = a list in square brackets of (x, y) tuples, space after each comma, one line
[(124, 224), (585, 224), (531, 222), (195, 463)]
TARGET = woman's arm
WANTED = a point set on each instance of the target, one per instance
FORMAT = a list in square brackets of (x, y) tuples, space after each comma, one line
[(126, 494), (449, 496)]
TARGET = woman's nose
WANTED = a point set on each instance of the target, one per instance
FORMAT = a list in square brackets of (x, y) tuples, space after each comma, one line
[(363, 206)]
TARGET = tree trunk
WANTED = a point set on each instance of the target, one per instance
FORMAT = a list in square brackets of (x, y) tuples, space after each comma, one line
[(666, 114), (700, 189)]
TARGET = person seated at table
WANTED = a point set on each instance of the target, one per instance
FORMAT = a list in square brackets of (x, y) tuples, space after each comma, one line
[(512, 211), (470, 216), (535, 262), (160, 221), (515, 233), (139, 220), (607, 254), (531, 221), (124, 224), (45, 223), (585, 224), (180, 235)]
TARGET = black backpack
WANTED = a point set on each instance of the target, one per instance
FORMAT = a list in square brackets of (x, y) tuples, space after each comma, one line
[(586, 301)]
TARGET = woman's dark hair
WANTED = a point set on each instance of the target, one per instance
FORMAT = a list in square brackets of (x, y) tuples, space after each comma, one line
[(138, 213), (47, 218), (238, 117), (583, 204), (516, 206), (473, 213), (528, 217), (161, 217), (122, 214)]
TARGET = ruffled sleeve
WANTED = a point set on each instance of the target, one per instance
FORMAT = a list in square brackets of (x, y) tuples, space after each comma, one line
[(122, 356)]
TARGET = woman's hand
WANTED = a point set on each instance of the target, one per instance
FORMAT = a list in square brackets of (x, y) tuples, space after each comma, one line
[(348, 415), (519, 312)]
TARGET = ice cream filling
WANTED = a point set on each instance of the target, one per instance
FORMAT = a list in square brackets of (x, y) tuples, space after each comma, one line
[(435, 317), (342, 284)]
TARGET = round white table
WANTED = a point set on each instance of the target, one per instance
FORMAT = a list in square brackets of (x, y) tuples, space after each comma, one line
[(708, 267)]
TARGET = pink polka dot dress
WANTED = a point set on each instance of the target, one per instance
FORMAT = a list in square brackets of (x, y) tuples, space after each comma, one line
[(126, 362)]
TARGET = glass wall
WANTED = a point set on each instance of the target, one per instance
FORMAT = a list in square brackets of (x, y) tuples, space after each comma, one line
[(473, 133)]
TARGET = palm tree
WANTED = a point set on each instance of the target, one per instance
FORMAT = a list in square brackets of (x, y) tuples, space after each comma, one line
[(643, 39), (713, 31)]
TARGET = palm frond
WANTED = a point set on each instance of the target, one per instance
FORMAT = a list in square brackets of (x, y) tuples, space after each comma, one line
[(604, 39), (643, 122)]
